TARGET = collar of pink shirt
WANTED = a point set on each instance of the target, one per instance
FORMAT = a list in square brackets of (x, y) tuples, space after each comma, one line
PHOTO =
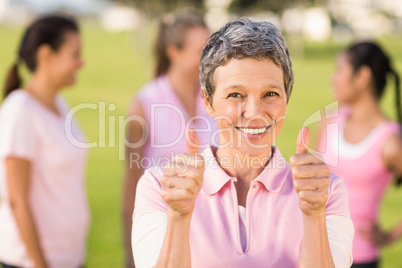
[(272, 177)]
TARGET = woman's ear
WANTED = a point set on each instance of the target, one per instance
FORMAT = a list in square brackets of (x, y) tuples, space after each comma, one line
[(43, 54), (207, 103), (172, 52), (363, 77)]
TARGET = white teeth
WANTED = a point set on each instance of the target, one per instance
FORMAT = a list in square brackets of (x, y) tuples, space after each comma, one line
[(253, 131)]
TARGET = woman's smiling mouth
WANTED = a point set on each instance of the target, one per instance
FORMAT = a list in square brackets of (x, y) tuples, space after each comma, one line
[(253, 130)]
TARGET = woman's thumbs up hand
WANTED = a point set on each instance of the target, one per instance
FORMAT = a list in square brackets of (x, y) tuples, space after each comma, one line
[(183, 177), (310, 176)]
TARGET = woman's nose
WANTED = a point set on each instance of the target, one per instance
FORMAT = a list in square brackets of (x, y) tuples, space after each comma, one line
[(252, 108)]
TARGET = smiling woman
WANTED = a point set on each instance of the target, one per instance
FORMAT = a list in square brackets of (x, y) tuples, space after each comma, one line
[(241, 204), (44, 214), (251, 95)]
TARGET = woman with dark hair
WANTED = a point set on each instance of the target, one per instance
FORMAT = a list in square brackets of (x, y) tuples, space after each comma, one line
[(166, 106), (370, 146), (44, 214)]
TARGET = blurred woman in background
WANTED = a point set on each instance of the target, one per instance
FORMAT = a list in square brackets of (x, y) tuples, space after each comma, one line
[(370, 145), (169, 104), (43, 211)]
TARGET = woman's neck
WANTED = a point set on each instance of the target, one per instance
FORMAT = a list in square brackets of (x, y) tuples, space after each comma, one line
[(242, 166), (365, 109), (186, 89), (40, 88)]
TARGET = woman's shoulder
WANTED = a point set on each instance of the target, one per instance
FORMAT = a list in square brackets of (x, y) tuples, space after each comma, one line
[(392, 144), (338, 201), (152, 175), (392, 126), (152, 91), (334, 179), (386, 130), (16, 103), (149, 190)]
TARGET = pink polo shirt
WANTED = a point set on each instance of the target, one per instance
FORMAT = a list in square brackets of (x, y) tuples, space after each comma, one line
[(273, 220), (57, 198)]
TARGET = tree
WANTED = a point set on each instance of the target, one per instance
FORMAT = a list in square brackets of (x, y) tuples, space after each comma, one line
[(157, 7), (250, 6)]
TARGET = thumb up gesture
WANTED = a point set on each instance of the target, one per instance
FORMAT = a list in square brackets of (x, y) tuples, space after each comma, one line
[(183, 177), (310, 177)]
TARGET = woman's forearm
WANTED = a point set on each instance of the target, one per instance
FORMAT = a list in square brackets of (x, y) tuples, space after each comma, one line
[(396, 233), (29, 234), (175, 250), (315, 250)]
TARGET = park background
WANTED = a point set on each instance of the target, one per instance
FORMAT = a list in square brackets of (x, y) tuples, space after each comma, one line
[(118, 41)]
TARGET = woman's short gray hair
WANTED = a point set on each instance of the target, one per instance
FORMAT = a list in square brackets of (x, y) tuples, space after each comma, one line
[(243, 38)]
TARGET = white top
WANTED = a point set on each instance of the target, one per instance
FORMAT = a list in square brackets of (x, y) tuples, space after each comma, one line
[(242, 226), (29, 130), (355, 150)]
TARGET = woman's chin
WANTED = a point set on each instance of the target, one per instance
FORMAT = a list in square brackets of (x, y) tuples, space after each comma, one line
[(255, 147), (253, 151), (246, 143), (70, 83)]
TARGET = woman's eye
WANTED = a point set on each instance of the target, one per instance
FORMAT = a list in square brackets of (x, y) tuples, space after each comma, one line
[(234, 95), (271, 94)]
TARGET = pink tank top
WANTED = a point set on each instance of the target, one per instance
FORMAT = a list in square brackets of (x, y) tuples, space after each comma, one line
[(365, 176), (167, 123)]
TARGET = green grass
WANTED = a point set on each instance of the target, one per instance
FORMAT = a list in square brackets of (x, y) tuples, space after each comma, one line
[(117, 65)]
